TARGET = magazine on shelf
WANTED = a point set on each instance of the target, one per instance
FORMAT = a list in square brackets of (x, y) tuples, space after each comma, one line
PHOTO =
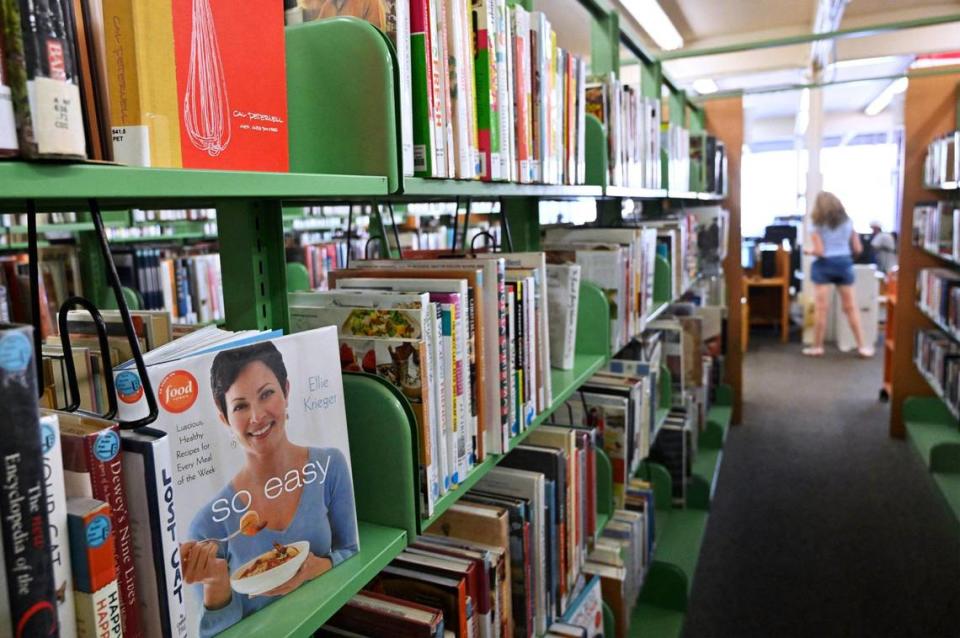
[(261, 469)]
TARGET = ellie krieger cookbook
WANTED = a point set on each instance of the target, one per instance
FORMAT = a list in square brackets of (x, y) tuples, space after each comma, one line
[(261, 469)]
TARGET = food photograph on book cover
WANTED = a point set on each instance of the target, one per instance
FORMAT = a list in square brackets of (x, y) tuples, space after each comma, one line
[(262, 471)]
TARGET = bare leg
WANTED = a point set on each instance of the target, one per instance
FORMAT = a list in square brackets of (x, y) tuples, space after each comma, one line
[(821, 295), (853, 315)]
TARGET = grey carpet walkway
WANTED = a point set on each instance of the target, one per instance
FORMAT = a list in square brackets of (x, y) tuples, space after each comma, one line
[(822, 525)]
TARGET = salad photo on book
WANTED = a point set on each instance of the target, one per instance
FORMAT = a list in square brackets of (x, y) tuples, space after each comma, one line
[(261, 471)]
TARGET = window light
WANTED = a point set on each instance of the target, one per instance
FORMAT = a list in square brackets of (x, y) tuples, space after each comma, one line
[(650, 15)]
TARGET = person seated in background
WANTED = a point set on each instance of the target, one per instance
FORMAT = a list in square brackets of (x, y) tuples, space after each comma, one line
[(884, 247), (833, 243)]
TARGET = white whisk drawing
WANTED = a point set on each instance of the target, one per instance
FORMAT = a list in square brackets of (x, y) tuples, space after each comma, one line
[(206, 106)]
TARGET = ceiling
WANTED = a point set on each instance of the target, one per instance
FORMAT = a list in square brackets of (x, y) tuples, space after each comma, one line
[(711, 23)]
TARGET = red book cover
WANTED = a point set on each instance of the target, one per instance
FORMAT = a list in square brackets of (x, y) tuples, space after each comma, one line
[(91, 544), (92, 468), (232, 84)]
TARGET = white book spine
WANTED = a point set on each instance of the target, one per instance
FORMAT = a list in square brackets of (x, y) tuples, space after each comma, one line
[(440, 388), (93, 612), (57, 522), (466, 423), (570, 327), (402, 43), (438, 113), (511, 361)]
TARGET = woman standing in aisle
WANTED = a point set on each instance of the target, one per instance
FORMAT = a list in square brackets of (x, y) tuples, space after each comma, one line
[(833, 243)]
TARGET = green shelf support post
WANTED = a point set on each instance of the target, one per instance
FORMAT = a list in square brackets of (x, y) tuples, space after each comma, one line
[(659, 476), (609, 624), (383, 452), (253, 260), (523, 215), (605, 44), (593, 338), (298, 279), (349, 128), (596, 152), (665, 586), (650, 80), (662, 281), (93, 270), (605, 503)]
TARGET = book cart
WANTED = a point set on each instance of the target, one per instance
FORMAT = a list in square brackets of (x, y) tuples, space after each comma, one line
[(352, 154), (919, 412)]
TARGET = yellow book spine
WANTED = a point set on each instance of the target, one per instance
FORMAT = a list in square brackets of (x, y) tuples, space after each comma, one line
[(142, 83)]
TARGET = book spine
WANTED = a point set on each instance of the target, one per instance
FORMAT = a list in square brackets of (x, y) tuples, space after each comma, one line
[(96, 597), (42, 75), (512, 358), (95, 610), (24, 524), (57, 520), (521, 91), (458, 89), (485, 71), (148, 481), (438, 363), (131, 138), (503, 357), (570, 334), (452, 420), (438, 97), (402, 42), (500, 48), (106, 479), (421, 85), (462, 415)]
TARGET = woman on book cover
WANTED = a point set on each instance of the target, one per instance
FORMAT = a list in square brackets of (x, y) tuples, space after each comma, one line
[(298, 493)]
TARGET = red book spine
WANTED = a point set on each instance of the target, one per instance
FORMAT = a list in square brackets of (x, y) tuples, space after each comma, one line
[(106, 479)]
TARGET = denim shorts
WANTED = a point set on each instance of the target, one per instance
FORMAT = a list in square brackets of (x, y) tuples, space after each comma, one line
[(832, 270)]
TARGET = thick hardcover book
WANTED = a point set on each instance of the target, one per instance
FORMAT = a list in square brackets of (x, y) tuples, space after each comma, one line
[(373, 614), (258, 438), (29, 581), (148, 481), (57, 519), (94, 568), (39, 45), (444, 563), (188, 90), (93, 468)]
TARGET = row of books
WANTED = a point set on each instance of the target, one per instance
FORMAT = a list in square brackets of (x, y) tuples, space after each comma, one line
[(708, 164), (485, 92), (936, 228), (938, 294), (632, 123), (190, 286), (942, 162), (618, 260), (520, 554), (490, 95), (465, 339), (937, 355)]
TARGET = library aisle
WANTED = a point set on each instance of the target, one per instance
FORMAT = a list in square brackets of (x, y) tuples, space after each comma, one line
[(823, 526)]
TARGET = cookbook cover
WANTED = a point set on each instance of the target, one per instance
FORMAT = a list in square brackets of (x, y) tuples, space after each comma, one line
[(261, 472)]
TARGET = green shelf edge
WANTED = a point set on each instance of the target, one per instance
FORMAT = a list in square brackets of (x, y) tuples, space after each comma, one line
[(414, 187), (937, 390), (565, 383), (50, 182), (629, 192), (302, 612), (602, 520), (942, 325)]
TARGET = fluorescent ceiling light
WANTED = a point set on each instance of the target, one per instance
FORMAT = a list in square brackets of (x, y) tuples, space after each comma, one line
[(886, 96), (649, 14), (705, 86)]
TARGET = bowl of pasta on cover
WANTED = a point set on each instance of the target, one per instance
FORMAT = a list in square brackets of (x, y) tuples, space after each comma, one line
[(270, 569)]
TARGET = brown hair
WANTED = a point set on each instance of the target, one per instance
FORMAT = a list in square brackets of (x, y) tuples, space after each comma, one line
[(828, 211)]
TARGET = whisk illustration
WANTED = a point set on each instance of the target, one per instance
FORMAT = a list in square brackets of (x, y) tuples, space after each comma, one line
[(206, 106)]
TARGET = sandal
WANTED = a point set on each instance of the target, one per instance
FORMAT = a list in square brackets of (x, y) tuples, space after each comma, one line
[(865, 353), (812, 351)]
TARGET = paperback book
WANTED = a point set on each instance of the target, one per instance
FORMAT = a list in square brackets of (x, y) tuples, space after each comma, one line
[(261, 469)]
